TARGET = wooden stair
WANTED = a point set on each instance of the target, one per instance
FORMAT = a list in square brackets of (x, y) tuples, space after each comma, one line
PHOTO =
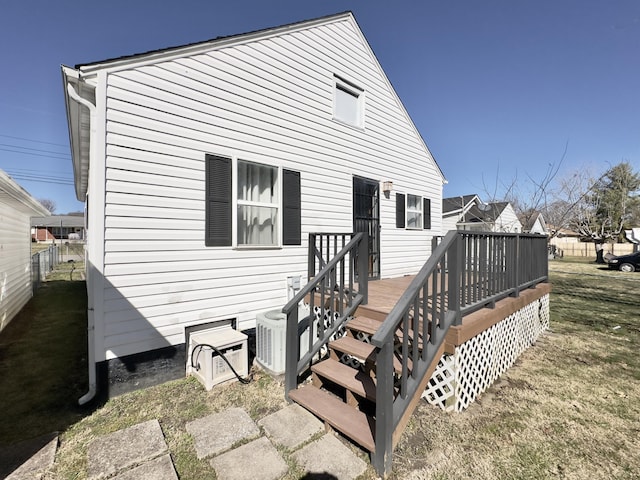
[(342, 396)]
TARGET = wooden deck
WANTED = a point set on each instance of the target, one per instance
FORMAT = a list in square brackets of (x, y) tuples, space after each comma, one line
[(384, 294)]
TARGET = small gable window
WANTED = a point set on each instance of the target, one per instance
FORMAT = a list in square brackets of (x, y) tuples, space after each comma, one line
[(348, 103)]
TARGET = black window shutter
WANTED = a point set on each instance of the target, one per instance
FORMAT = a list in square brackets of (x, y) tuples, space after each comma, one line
[(291, 213), (400, 208), (426, 213), (218, 220)]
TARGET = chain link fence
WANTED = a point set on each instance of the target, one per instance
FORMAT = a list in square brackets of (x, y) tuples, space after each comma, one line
[(42, 263)]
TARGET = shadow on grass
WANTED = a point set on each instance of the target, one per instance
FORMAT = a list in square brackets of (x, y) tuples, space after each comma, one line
[(43, 368)]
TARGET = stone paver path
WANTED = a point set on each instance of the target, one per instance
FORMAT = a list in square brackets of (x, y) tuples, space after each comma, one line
[(232, 443)]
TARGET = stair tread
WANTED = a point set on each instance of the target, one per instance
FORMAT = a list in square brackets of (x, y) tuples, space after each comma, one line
[(354, 380), (356, 425), (370, 326), (362, 350), (355, 347)]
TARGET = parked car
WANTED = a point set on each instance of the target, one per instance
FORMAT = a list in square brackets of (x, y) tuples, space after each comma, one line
[(624, 263)]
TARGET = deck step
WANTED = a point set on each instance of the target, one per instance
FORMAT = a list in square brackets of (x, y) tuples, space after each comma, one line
[(352, 346), (353, 380), (354, 424), (362, 350), (370, 326), (364, 324)]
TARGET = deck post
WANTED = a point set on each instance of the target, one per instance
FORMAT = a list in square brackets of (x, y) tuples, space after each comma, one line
[(454, 263), (292, 353), (382, 458), (363, 268), (311, 254)]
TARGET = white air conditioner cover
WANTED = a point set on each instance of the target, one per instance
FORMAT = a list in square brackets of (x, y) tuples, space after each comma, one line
[(271, 327), (210, 369)]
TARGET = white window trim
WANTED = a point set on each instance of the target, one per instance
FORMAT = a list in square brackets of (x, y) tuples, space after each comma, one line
[(358, 92), (407, 210), (236, 202)]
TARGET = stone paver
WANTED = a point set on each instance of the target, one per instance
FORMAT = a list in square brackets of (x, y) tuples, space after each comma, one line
[(159, 469), (218, 432), (28, 460), (117, 451), (257, 459), (291, 426), (329, 456)]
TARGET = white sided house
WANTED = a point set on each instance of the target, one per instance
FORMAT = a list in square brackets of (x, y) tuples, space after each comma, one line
[(206, 167), (16, 209), (491, 217)]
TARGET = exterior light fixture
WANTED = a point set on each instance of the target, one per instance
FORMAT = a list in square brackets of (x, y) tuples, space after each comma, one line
[(387, 186)]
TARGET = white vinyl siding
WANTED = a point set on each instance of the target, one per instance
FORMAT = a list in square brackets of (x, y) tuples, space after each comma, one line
[(267, 102), (15, 259)]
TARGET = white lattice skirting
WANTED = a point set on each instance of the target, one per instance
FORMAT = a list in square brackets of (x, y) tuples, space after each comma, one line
[(475, 364)]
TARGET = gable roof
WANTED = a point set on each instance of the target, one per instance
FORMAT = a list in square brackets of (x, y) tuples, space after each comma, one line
[(216, 42), (452, 205), (530, 221), (488, 213), (80, 83), (18, 198)]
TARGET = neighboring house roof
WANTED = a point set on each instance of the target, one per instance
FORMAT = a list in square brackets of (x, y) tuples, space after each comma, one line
[(534, 223), (13, 194), (454, 205), (58, 220), (80, 83), (485, 213)]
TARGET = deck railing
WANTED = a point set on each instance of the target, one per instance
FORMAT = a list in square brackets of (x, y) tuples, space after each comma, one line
[(466, 271), (332, 295)]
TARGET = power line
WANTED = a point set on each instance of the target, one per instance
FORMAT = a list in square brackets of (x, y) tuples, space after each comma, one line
[(40, 175), (35, 141), (41, 180), (34, 149), (35, 154)]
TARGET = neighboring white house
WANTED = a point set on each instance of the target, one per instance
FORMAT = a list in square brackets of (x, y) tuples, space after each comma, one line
[(454, 210), (16, 208), (58, 227), (491, 217), (535, 224), (205, 167)]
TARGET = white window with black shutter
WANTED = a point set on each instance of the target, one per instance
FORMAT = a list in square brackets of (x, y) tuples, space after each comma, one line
[(413, 212), (265, 199)]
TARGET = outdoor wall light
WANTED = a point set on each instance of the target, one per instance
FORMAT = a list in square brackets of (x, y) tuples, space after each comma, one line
[(387, 187)]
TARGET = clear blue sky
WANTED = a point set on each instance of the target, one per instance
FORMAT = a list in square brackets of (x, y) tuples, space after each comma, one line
[(493, 85)]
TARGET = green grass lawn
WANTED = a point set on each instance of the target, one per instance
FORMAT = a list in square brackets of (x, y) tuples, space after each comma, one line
[(568, 409)]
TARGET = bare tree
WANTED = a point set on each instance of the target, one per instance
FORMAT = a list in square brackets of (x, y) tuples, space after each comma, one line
[(48, 204), (607, 207)]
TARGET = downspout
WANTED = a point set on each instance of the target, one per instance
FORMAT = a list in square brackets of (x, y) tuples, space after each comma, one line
[(91, 355)]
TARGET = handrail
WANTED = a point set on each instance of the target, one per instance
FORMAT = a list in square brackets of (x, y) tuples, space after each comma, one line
[(466, 271), (330, 281)]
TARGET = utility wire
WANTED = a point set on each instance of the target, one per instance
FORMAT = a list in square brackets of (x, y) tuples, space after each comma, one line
[(35, 154), (42, 180), (34, 149), (35, 141)]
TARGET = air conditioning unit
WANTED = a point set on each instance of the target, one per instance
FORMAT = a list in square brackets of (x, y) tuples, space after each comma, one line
[(271, 328), (207, 364)]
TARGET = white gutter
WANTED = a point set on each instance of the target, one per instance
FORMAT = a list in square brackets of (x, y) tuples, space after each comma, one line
[(91, 356)]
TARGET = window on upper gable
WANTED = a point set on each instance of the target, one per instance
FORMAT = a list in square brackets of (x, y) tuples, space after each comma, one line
[(348, 102)]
